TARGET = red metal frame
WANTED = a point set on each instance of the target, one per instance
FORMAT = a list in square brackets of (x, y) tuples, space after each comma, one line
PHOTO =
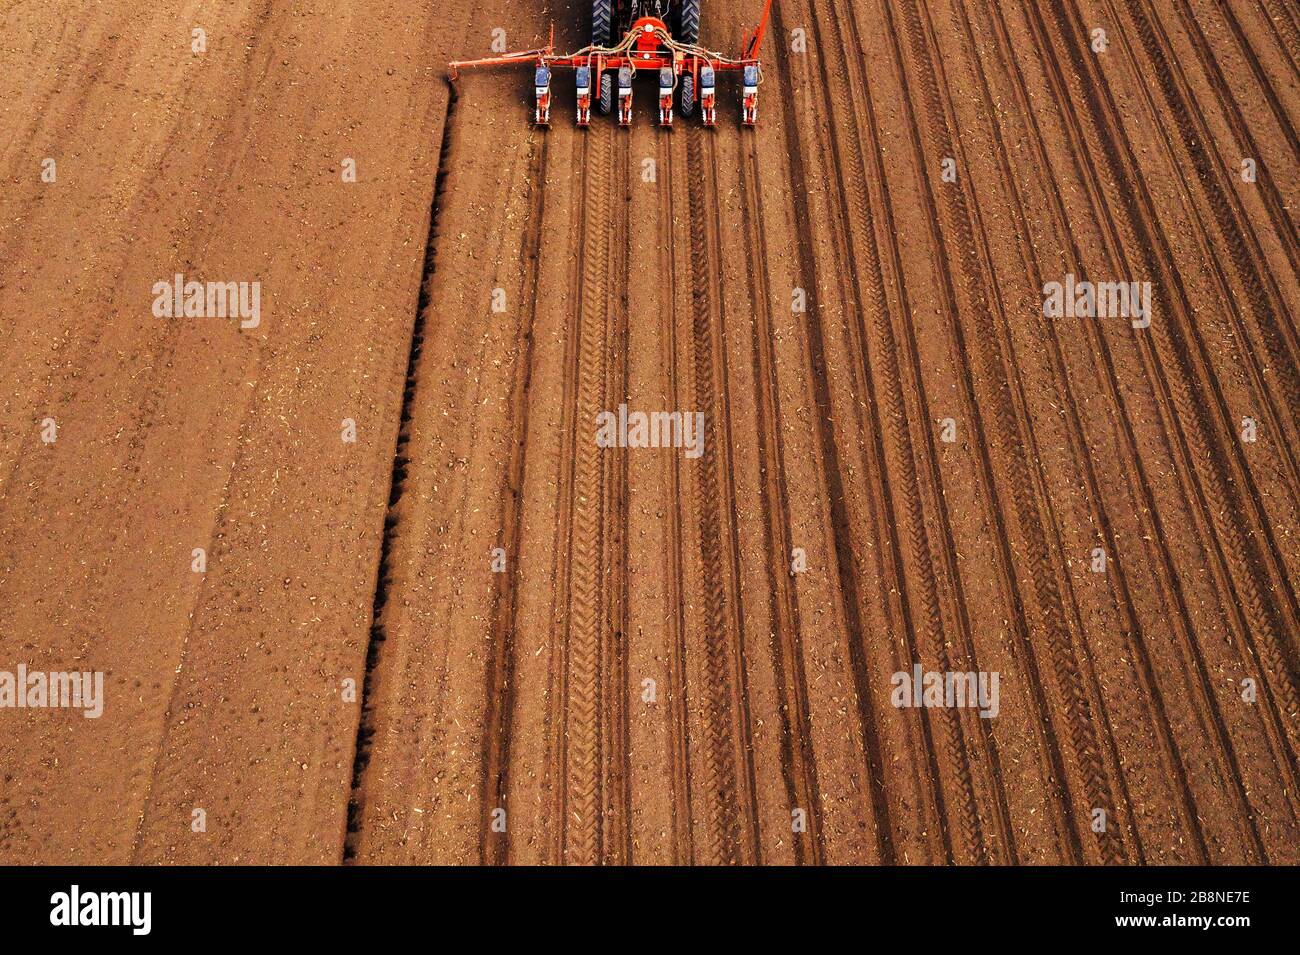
[(647, 51)]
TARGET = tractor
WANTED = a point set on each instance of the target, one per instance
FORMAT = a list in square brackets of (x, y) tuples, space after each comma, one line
[(613, 18), (627, 36)]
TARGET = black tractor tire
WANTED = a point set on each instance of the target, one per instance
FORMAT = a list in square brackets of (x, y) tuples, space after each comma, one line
[(688, 96), (605, 104), (602, 16), (688, 21)]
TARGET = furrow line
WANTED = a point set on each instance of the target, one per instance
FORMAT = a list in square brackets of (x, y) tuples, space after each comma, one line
[(798, 759), (583, 701), (616, 775), (863, 291), (830, 469), (1113, 245), (1278, 15), (997, 363), (378, 632), (1030, 257), (499, 673), (1215, 475), (1265, 303), (920, 452), (732, 828), (679, 754), (1073, 659)]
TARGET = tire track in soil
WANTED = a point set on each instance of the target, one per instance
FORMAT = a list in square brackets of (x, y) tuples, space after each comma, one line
[(1284, 223), (617, 769), (997, 846), (67, 358), (798, 759), (1053, 592), (973, 746), (580, 821), (940, 99), (499, 673), (556, 713), (383, 577), (857, 248), (856, 254), (589, 748), (1280, 20), (1211, 470), (832, 473), (1264, 299), (679, 756), (1192, 24), (215, 548), (888, 348), (1115, 247), (733, 836), (146, 411), (1088, 174), (1167, 580)]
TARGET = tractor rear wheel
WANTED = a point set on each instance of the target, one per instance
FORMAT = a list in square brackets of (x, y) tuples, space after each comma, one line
[(688, 21), (605, 104), (602, 13), (688, 95)]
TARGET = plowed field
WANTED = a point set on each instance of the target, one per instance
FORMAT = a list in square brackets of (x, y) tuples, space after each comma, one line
[(366, 585)]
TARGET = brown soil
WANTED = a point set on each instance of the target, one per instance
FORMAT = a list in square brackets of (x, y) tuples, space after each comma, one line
[(825, 434)]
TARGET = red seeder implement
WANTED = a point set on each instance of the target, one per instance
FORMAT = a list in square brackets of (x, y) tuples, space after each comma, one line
[(648, 44)]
